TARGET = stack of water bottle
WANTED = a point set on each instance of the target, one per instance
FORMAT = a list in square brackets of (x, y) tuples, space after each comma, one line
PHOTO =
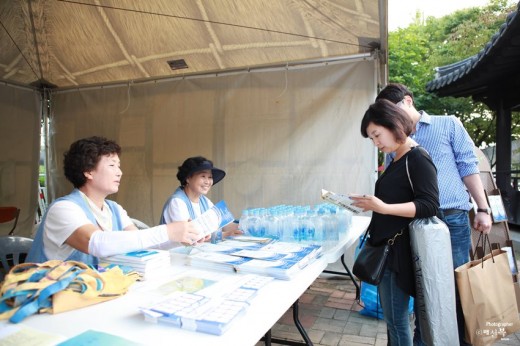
[(322, 224)]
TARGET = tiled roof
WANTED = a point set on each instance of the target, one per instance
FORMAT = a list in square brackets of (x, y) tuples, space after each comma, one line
[(497, 64)]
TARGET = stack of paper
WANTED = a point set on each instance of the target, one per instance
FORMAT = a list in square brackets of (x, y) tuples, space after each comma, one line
[(146, 262), (201, 313), (227, 246), (216, 261), (304, 254), (280, 260), (246, 290), (280, 269)]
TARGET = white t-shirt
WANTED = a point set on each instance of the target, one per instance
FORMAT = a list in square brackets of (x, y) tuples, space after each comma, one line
[(177, 210), (63, 218)]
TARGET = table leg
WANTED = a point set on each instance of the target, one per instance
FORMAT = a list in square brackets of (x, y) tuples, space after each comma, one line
[(349, 273), (268, 339), (298, 324)]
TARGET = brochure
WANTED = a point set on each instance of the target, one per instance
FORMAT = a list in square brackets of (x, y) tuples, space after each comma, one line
[(259, 254), (279, 269), (141, 256), (341, 200), (250, 239), (219, 247), (278, 259), (213, 219), (94, 337), (206, 313), (145, 262), (215, 260), (498, 212), (195, 312)]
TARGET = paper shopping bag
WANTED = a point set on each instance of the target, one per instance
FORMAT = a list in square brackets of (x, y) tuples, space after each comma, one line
[(488, 298)]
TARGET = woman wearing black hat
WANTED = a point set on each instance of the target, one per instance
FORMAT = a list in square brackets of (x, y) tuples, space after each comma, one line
[(197, 175)]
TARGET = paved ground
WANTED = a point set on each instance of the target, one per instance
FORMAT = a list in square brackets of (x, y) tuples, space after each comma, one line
[(330, 315)]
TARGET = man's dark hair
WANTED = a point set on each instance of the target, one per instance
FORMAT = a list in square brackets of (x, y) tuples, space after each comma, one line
[(394, 92)]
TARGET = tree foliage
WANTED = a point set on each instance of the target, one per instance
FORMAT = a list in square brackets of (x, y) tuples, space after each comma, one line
[(415, 52)]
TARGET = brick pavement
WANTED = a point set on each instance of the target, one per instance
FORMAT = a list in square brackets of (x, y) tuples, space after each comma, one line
[(330, 314)]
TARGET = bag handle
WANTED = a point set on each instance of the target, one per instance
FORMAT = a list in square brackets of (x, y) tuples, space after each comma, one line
[(483, 239), (408, 172), (390, 241), (364, 238), (44, 299)]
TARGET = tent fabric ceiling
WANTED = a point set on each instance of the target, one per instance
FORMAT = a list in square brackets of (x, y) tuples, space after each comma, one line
[(66, 44)]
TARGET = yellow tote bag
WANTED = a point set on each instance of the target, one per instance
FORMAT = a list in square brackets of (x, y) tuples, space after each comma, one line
[(57, 286)]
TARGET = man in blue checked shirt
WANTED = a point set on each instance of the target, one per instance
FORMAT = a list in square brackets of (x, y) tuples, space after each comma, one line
[(451, 148)]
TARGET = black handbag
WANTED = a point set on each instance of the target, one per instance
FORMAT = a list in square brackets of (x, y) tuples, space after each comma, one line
[(371, 261)]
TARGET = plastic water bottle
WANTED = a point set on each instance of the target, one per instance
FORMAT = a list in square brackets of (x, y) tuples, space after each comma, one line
[(273, 223), (344, 222), (282, 222), (328, 228), (318, 227), (322, 224), (262, 223), (334, 234), (289, 225), (252, 223), (309, 221), (243, 222)]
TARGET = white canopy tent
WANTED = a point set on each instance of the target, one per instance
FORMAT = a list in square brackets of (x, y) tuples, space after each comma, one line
[(273, 94)]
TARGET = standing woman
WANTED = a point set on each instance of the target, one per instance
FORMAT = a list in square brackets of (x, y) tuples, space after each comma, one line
[(395, 204), (196, 176)]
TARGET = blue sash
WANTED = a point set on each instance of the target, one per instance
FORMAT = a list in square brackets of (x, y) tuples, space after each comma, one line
[(179, 193), (37, 253)]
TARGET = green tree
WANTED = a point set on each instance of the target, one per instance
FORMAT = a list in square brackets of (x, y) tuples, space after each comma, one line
[(415, 52)]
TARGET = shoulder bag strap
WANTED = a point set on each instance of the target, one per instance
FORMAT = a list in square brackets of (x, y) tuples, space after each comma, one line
[(364, 238), (408, 173)]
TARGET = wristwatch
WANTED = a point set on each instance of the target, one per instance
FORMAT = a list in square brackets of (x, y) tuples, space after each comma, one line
[(484, 210)]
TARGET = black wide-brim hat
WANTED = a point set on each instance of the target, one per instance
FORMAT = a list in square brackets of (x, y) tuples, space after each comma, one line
[(217, 173)]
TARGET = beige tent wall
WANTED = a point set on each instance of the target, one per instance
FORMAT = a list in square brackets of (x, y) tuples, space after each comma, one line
[(20, 113), (280, 134)]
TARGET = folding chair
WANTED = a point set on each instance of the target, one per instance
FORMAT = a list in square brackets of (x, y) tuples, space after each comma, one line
[(9, 214), (13, 251)]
